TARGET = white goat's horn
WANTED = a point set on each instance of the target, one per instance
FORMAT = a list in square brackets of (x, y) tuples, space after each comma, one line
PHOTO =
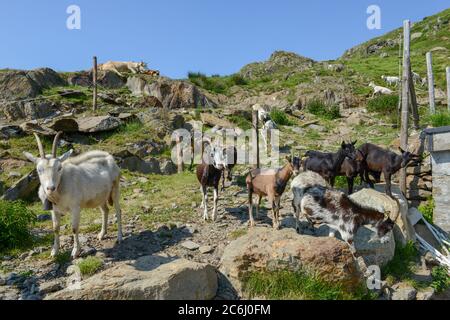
[(55, 143), (40, 147)]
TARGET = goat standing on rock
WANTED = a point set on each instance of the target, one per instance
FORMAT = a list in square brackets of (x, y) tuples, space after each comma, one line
[(90, 180), (270, 183), (328, 165), (321, 204)]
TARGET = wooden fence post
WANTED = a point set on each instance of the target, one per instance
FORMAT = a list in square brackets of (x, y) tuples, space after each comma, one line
[(179, 154), (430, 82), (414, 106), (447, 71), (255, 138), (405, 99), (94, 84)]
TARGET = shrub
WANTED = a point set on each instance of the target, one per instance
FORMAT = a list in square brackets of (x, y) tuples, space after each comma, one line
[(240, 121), (440, 119), (320, 109), (427, 209), (89, 266), (238, 80), (386, 104), (280, 118), (441, 279), (15, 224)]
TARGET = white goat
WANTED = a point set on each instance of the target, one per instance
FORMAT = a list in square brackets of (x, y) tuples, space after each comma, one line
[(263, 113), (91, 180), (379, 89), (267, 126), (391, 80)]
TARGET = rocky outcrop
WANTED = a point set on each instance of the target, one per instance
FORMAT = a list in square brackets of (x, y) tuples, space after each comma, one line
[(98, 124), (9, 131), (134, 163), (29, 110), (397, 210), (148, 278), (108, 79), (15, 85), (23, 188), (173, 94), (264, 249)]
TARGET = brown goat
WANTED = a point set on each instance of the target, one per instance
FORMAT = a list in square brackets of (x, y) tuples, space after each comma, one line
[(270, 183)]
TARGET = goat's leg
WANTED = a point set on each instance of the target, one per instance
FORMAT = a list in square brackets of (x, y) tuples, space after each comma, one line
[(118, 210), (258, 205), (250, 208), (216, 200), (350, 183), (367, 178), (223, 179), (277, 211), (56, 219), (203, 198), (205, 202), (387, 178), (332, 181), (75, 230), (105, 211)]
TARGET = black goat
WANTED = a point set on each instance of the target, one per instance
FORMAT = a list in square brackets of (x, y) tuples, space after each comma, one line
[(378, 160), (328, 164)]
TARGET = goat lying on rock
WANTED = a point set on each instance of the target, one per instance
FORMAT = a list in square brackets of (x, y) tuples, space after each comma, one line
[(91, 180), (321, 204), (270, 183), (378, 160)]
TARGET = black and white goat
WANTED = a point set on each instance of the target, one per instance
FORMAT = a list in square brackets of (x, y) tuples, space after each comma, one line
[(321, 204)]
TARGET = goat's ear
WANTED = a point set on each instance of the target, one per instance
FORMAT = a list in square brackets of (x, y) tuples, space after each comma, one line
[(66, 155), (355, 142), (30, 157), (401, 150)]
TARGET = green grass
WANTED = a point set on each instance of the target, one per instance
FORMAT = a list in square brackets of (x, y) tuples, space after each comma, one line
[(386, 104), (427, 209), (216, 83), (62, 258), (280, 118), (16, 221), (441, 279), (402, 265), (237, 233), (289, 285), (240, 121), (89, 266), (440, 119), (322, 110)]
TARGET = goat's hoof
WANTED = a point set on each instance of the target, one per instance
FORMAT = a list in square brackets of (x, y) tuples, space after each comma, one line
[(54, 253), (101, 236), (75, 253)]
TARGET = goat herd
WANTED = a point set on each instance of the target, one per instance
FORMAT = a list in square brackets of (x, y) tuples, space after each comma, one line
[(92, 180)]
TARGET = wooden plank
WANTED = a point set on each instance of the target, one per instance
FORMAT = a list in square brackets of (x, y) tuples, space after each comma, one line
[(430, 82), (405, 98)]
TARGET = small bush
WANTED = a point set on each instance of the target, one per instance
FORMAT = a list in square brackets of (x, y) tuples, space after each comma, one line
[(280, 118), (320, 109), (401, 266), (440, 119), (213, 84), (62, 258), (427, 209), (441, 279), (386, 104), (89, 266), (15, 224)]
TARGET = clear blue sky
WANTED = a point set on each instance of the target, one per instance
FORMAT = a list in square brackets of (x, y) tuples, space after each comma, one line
[(177, 36)]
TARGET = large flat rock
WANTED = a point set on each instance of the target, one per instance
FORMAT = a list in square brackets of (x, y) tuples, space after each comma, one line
[(148, 278)]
